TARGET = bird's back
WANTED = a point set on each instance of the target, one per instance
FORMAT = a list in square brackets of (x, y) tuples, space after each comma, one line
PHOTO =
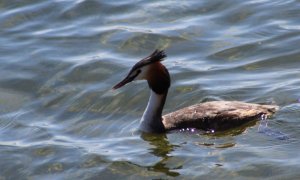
[(216, 115)]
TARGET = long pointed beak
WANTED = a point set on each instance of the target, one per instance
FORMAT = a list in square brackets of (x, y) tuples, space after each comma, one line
[(123, 82)]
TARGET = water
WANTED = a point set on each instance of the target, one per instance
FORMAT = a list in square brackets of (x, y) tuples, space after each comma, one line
[(59, 60)]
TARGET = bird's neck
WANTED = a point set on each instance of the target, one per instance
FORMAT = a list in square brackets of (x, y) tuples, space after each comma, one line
[(152, 117)]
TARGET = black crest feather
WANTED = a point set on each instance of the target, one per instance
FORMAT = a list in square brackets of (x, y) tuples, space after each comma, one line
[(157, 55)]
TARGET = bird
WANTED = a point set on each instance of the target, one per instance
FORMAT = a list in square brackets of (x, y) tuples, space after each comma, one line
[(214, 115)]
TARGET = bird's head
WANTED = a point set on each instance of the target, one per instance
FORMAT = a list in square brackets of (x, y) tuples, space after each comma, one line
[(150, 69)]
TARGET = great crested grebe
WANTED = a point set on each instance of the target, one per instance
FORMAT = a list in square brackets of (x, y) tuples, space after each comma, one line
[(214, 115)]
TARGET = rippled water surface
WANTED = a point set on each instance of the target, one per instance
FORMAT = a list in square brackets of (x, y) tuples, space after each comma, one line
[(59, 118)]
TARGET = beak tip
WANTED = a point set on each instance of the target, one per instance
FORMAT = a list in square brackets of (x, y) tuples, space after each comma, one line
[(120, 84)]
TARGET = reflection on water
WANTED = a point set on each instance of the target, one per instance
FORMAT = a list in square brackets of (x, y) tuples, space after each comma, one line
[(162, 149), (59, 118)]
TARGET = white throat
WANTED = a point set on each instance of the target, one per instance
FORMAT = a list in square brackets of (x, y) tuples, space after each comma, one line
[(152, 117)]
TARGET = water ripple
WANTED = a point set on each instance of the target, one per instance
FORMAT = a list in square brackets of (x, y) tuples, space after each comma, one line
[(59, 118)]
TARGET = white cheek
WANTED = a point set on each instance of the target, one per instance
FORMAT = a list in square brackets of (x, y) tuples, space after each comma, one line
[(143, 74)]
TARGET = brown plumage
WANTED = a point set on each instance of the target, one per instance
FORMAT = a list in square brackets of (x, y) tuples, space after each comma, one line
[(158, 71), (216, 115)]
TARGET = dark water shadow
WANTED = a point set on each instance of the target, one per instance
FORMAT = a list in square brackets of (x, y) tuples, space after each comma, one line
[(161, 148)]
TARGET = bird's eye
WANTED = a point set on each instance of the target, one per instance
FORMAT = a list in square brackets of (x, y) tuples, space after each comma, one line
[(133, 75)]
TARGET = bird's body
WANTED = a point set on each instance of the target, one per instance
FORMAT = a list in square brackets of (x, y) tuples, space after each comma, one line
[(216, 115)]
